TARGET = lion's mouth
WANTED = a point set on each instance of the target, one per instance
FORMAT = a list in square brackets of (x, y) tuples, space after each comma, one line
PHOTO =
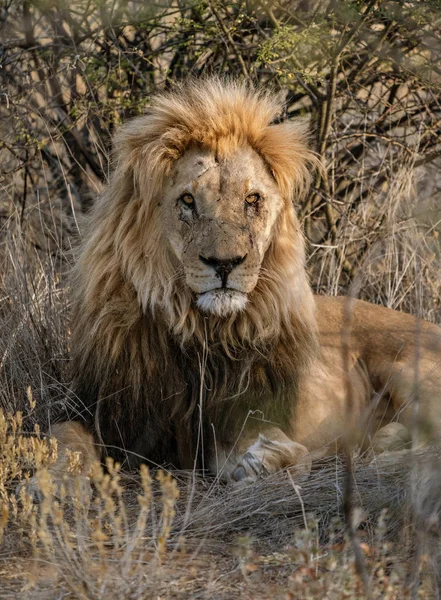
[(222, 302)]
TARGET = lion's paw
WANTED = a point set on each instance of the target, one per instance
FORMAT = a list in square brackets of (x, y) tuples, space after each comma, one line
[(266, 457), (68, 487), (391, 438), (249, 469), (29, 489)]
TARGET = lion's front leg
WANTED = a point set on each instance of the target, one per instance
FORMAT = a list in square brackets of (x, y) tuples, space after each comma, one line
[(75, 445), (73, 437), (262, 454)]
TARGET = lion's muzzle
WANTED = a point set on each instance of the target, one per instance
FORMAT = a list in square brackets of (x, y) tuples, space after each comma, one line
[(223, 299), (223, 266)]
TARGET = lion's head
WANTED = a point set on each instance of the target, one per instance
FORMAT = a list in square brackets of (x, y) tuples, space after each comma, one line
[(198, 215), (219, 212)]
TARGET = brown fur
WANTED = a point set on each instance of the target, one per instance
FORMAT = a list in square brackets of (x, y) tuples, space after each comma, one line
[(137, 361), (158, 380)]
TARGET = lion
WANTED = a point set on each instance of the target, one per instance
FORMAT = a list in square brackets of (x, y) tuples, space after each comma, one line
[(197, 341)]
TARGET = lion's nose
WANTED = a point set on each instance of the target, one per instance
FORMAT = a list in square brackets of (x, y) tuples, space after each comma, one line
[(223, 266)]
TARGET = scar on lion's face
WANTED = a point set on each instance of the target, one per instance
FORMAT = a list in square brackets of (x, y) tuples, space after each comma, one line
[(221, 212)]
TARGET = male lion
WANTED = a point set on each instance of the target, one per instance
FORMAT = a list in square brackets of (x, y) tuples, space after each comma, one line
[(196, 337)]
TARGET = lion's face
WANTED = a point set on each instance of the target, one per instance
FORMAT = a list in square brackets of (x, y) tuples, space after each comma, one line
[(219, 215)]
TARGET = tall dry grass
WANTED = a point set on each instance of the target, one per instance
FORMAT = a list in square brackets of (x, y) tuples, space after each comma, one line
[(182, 535), (71, 75), (175, 535)]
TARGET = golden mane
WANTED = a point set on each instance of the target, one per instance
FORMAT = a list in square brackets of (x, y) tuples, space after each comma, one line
[(132, 316)]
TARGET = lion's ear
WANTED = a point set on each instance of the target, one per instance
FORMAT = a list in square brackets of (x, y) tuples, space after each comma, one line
[(130, 140), (286, 150), (126, 159), (145, 149)]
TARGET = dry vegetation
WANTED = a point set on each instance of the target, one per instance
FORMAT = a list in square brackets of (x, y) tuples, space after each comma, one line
[(366, 74)]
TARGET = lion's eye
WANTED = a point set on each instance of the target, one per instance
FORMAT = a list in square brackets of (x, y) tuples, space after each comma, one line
[(252, 199), (187, 199)]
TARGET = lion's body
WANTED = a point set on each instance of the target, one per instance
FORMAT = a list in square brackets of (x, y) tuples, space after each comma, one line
[(374, 362), (196, 336)]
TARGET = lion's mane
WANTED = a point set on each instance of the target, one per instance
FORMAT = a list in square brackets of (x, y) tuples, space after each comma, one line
[(146, 363)]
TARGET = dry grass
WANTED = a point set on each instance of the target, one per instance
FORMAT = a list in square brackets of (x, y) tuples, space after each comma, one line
[(181, 535), (373, 225)]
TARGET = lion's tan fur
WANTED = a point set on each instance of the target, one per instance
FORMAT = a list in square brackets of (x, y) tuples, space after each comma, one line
[(148, 366), (123, 337), (124, 229)]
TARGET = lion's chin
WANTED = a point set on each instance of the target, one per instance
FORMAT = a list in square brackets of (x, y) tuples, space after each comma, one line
[(222, 303)]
